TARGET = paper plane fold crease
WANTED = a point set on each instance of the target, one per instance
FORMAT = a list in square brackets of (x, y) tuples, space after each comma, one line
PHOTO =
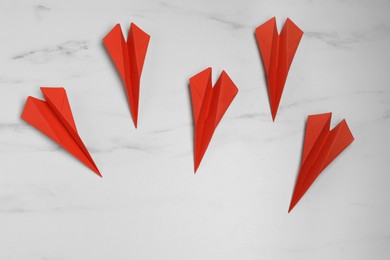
[(54, 118), (129, 57), (321, 147), (208, 105)]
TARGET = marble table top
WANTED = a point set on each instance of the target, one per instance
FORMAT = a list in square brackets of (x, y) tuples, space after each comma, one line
[(149, 204)]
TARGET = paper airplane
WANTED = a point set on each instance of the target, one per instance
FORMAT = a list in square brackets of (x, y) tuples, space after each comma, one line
[(128, 57), (54, 118), (321, 147), (209, 105), (277, 52)]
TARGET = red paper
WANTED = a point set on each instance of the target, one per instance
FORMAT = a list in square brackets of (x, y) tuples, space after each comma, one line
[(209, 105), (277, 52), (54, 118), (321, 147), (129, 58)]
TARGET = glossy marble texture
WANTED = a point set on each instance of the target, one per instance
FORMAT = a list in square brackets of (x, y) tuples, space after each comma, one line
[(149, 204)]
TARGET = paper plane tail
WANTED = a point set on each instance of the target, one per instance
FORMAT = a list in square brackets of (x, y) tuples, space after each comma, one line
[(196, 164), (135, 122), (83, 155), (91, 165), (198, 160), (133, 110), (274, 111), (96, 170), (292, 205), (298, 193)]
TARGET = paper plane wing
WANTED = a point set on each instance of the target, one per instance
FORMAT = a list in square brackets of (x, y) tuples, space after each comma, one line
[(58, 101), (339, 139), (290, 37), (54, 118), (223, 94), (315, 126), (116, 47), (198, 85), (137, 43), (267, 41)]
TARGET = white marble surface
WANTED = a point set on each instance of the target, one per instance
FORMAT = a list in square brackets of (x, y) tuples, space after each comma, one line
[(149, 204)]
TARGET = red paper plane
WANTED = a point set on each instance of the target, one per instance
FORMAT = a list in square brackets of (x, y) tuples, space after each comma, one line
[(129, 58), (277, 52), (209, 105), (321, 147), (54, 118)]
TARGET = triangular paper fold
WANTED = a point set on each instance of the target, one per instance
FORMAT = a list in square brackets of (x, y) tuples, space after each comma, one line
[(321, 147), (54, 118), (209, 104), (277, 52), (129, 57)]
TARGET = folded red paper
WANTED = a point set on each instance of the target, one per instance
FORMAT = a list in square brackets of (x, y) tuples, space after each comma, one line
[(54, 118), (277, 52), (321, 147), (209, 105), (128, 57)]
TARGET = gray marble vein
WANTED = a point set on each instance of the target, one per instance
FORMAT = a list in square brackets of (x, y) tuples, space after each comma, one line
[(66, 49)]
